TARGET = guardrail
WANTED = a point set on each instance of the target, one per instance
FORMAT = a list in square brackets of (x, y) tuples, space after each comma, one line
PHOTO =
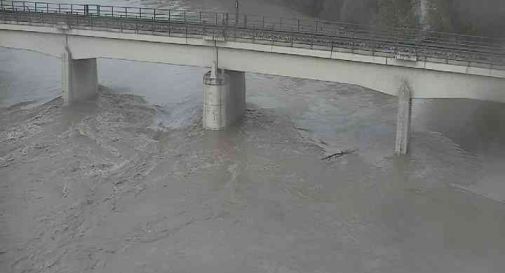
[(401, 43)]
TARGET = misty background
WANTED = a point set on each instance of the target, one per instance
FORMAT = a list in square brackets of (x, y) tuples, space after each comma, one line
[(475, 17), (131, 182)]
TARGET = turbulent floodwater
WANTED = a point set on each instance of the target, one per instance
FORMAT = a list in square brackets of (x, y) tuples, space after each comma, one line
[(131, 183)]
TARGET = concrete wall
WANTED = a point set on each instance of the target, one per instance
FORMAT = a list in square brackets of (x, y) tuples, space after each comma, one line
[(237, 101), (49, 43), (427, 79), (387, 79), (79, 78), (403, 120), (215, 99), (224, 99)]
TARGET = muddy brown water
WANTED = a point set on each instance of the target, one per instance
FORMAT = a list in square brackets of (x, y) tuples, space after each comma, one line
[(131, 183)]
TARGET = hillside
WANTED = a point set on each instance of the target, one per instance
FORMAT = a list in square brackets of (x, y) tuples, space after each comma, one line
[(483, 17)]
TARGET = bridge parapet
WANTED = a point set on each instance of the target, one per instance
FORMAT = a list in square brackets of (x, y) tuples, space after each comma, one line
[(400, 43)]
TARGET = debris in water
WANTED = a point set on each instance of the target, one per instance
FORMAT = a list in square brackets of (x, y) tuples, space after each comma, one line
[(338, 155), (302, 129)]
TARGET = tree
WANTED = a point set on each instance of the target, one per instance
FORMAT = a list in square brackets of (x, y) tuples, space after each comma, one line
[(440, 15), (483, 17), (397, 13)]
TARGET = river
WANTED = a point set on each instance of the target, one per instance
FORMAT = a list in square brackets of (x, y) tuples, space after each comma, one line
[(131, 183)]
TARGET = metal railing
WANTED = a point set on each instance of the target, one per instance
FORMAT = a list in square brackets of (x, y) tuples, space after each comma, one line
[(401, 43)]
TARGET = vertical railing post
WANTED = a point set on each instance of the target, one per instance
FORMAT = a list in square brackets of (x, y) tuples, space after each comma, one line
[(298, 24), (169, 27), (126, 12), (154, 14), (112, 11), (90, 18), (71, 9), (140, 13), (2, 7), (374, 44), (13, 10)]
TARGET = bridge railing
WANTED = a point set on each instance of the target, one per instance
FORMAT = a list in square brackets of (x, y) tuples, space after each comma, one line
[(403, 43)]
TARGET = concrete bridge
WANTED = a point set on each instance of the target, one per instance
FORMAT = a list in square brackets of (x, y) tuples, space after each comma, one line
[(407, 63)]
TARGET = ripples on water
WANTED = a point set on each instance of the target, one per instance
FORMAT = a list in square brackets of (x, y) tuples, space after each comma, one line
[(466, 135), (382, 206)]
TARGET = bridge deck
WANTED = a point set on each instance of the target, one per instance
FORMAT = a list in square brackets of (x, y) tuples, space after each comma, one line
[(406, 44)]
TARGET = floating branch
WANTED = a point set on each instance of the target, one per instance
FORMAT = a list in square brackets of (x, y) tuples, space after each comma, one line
[(338, 155)]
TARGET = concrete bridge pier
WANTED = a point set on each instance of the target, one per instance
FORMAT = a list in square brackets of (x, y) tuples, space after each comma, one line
[(403, 119), (79, 78), (224, 98)]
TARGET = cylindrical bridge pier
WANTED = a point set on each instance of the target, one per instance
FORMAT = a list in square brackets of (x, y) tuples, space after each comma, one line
[(223, 98)]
